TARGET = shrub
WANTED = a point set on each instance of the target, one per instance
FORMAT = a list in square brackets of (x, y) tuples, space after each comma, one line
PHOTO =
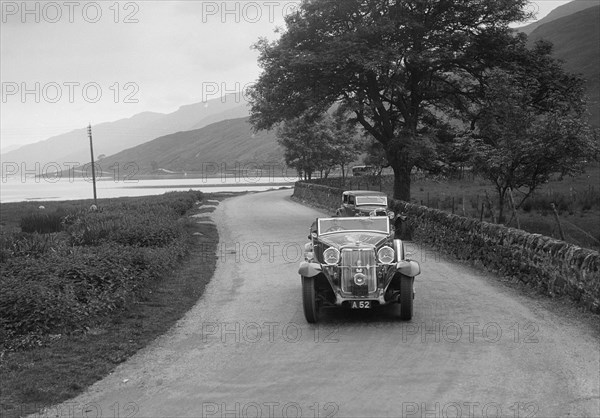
[(27, 245), (64, 282), (42, 221)]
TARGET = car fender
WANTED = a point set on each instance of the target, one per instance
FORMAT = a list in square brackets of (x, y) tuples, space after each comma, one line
[(309, 269), (408, 268)]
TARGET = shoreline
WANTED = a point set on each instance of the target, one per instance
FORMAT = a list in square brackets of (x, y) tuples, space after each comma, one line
[(206, 189)]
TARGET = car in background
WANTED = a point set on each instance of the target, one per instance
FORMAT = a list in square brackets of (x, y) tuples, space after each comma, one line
[(362, 203), (362, 170)]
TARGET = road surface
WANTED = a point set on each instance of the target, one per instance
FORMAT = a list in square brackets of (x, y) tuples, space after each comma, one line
[(475, 346)]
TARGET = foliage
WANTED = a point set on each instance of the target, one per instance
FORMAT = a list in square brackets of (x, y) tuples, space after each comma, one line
[(395, 65), (345, 144), (529, 127), (65, 282), (318, 142), (375, 156), (42, 221), (304, 141)]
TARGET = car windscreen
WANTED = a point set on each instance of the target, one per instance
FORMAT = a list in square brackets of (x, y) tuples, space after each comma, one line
[(371, 200), (371, 223)]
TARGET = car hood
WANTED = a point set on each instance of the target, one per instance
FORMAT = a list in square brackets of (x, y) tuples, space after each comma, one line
[(344, 239)]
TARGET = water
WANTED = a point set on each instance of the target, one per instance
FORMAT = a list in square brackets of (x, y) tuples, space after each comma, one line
[(45, 189)]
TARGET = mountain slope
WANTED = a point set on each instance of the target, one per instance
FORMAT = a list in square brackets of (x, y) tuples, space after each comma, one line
[(216, 147), (112, 137), (561, 11), (576, 40), (241, 111)]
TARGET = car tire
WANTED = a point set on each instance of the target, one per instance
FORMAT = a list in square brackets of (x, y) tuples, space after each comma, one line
[(406, 297), (309, 299)]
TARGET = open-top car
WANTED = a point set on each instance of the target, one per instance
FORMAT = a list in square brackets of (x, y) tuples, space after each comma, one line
[(355, 262)]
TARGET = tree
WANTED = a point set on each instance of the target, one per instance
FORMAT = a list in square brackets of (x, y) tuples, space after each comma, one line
[(306, 144), (376, 156), (345, 144), (525, 131), (394, 64), (318, 142)]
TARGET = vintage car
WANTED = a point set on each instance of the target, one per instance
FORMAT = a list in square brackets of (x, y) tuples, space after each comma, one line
[(367, 202), (362, 203), (362, 170), (355, 262)]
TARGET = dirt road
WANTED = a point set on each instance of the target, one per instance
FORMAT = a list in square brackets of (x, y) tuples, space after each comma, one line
[(475, 347)]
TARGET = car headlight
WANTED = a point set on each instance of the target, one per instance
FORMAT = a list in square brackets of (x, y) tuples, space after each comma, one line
[(331, 256), (309, 255), (386, 255)]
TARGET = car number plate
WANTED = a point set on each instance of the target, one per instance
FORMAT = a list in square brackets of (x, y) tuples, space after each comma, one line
[(360, 304)]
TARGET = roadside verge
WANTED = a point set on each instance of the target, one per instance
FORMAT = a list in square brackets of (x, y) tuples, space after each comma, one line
[(65, 366)]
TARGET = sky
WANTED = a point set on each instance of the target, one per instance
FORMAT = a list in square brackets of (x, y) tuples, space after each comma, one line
[(64, 64)]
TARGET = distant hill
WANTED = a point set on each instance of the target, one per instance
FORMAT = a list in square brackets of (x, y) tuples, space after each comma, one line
[(112, 137), (234, 113), (216, 147), (576, 40), (561, 11)]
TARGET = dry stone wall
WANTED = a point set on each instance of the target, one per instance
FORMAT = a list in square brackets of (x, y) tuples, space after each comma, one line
[(550, 265)]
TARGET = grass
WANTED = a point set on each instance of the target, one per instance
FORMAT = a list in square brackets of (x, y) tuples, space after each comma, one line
[(68, 363)]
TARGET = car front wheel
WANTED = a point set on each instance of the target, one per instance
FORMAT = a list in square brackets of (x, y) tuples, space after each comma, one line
[(309, 299), (406, 297)]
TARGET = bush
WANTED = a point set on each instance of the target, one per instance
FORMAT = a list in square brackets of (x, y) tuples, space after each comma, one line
[(27, 245), (65, 282), (42, 222), (527, 206)]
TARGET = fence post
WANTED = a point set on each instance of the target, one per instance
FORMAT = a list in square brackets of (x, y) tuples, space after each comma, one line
[(489, 202), (560, 230)]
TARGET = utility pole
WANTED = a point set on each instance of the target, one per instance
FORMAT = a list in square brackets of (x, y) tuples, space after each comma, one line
[(93, 167)]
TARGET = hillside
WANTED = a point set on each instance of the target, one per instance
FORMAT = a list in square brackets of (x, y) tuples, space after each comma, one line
[(576, 40), (112, 137), (217, 146), (561, 11)]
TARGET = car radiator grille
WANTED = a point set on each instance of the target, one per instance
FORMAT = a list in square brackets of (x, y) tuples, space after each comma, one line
[(358, 261)]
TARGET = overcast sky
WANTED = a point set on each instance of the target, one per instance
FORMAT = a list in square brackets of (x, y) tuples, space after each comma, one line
[(67, 63)]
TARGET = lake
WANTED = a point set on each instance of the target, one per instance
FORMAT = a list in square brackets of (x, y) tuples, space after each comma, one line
[(46, 188)]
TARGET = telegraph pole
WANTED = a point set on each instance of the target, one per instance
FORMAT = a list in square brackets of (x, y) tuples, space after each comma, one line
[(89, 129)]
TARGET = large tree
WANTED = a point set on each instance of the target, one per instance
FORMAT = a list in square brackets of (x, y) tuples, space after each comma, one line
[(395, 64)]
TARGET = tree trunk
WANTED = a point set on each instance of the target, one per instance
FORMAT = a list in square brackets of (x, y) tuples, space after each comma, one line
[(402, 171)]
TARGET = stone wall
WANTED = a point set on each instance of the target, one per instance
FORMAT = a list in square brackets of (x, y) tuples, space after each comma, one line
[(550, 265), (324, 197)]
